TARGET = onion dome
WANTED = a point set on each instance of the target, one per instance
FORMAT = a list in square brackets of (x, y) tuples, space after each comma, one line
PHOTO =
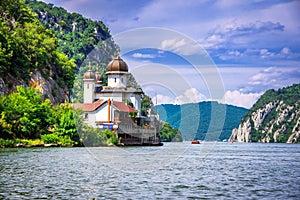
[(89, 74), (117, 65), (98, 77)]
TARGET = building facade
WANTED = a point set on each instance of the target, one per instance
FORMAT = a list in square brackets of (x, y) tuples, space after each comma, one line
[(116, 89), (113, 106)]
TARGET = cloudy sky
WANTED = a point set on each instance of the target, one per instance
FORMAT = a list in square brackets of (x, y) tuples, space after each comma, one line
[(245, 47)]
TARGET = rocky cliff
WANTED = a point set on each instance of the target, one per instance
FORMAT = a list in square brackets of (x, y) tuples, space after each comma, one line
[(274, 118), (47, 86)]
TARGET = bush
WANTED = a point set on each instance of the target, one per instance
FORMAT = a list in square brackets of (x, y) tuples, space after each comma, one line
[(9, 143), (113, 140), (36, 142), (50, 138), (91, 137)]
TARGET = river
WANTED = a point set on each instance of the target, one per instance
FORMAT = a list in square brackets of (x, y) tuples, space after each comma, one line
[(211, 170)]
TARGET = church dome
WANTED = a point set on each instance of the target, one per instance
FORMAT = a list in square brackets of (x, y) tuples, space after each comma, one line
[(117, 64), (89, 74), (98, 77)]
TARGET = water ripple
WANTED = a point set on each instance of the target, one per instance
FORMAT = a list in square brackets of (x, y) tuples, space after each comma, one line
[(229, 171)]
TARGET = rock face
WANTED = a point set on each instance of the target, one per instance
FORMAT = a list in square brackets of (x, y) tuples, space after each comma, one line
[(274, 118), (46, 86), (49, 88)]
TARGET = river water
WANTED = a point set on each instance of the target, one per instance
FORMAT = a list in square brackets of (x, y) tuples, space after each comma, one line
[(173, 171)]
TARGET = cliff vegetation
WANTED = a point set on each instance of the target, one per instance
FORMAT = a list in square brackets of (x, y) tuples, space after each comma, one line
[(273, 118)]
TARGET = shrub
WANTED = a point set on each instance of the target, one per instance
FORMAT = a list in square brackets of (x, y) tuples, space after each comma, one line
[(50, 138)]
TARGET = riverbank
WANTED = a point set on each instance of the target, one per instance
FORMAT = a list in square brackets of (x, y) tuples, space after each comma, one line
[(27, 143)]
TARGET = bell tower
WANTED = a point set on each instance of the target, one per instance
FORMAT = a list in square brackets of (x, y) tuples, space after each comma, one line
[(89, 86)]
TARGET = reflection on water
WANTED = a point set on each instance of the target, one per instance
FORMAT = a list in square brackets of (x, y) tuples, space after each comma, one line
[(173, 171)]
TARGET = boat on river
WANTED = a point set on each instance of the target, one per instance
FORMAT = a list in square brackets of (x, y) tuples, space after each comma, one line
[(195, 142)]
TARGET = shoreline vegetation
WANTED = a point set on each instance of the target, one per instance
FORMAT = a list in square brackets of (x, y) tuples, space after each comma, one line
[(24, 143), (26, 120)]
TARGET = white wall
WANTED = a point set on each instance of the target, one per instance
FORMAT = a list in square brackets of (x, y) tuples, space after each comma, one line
[(101, 114), (88, 91), (116, 96), (116, 80), (136, 101)]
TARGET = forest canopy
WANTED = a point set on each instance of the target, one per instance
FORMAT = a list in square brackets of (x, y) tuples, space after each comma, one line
[(26, 47)]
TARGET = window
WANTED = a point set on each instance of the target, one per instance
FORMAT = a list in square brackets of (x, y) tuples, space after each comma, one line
[(88, 86), (115, 79)]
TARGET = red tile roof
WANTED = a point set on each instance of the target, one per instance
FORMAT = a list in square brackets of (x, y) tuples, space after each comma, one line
[(123, 107), (89, 107)]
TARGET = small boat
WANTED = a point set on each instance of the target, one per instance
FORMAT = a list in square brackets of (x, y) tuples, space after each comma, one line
[(195, 142)]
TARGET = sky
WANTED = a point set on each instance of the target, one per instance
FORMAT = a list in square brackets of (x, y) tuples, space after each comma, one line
[(189, 51)]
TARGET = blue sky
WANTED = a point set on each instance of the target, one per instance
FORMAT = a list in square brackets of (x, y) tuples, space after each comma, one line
[(252, 45)]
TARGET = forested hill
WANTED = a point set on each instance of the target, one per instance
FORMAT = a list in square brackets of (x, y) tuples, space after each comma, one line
[(195, 120), (275, 117), (76, 35), (88, 42), (29, 54), (42, 47)]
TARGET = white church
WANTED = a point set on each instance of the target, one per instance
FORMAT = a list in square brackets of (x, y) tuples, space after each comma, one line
[(106, 105)]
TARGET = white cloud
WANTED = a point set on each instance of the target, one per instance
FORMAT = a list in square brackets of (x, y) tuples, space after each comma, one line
[(265, 53), (275, 77), (285, 51), (183, 46), (140, 55), (237, 34), (231, 54), (238, 98), (213, 41), (191, 95), (162, 99)]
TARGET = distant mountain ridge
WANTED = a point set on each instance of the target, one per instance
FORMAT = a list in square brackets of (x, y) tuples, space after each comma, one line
[(275, 117), (194, 120)]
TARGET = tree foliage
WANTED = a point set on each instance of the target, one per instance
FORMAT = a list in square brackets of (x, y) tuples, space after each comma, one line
[(169, 134), (77, 35), (26, 46), (87, 42), (25, 115), (173, 115)]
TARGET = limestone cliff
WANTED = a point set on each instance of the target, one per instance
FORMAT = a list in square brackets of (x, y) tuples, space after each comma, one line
[(46, 86), (274, 118)]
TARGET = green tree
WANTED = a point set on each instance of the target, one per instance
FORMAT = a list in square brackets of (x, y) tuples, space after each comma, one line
[(65, 121), (24, 115), (169, 134)]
